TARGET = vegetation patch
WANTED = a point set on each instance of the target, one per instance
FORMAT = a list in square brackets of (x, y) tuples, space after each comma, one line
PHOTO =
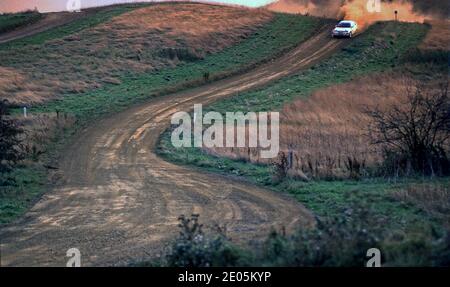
[(9, 22), (335, 242), (19, 189)]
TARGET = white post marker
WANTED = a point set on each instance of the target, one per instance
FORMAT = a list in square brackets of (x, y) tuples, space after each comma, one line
[(24, 112)]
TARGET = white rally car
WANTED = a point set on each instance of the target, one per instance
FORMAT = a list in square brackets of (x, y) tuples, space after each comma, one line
[(345, 28)]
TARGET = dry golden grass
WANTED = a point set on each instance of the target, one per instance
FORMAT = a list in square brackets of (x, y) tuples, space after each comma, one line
[(198, 25), (40, 130), (439, 36), (327, 132), (145, 39), (14, 85)]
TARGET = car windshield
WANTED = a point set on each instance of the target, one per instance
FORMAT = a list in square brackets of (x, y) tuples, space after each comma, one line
[(344, 25)]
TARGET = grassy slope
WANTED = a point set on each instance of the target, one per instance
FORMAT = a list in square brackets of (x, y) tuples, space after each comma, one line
[(10, 22), (380, 48), (284, 32)]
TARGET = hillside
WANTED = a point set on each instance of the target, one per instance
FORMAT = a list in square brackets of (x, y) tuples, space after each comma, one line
[(144, 40)]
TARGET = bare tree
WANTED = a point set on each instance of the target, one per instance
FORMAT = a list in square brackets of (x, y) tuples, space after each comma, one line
[(415, 134)]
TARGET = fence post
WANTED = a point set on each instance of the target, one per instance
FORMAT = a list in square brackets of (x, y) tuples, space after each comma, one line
[(290, 159)]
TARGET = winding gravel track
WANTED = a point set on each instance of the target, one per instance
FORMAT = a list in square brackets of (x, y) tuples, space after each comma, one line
[(48, 21), (120, 201)]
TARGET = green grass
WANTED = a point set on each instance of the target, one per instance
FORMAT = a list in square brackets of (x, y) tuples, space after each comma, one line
[(380, 48), (19, 189), (86, 22), (282, 33), (10, 22)]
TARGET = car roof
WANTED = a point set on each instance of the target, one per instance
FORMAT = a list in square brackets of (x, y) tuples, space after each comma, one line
[(348, 21)]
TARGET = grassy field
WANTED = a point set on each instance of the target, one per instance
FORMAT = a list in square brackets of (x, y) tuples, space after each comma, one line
[(19, 190), (10, 22), (381, 48), (281, 33)]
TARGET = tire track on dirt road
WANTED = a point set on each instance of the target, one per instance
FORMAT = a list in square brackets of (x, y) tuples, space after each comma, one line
[(120, 201)]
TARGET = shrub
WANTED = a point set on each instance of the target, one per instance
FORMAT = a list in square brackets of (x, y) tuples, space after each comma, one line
[(194, 248), (10, 142), (280, 167), (337, 241)]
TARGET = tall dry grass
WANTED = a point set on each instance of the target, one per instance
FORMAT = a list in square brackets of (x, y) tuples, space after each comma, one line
[(327, 132), (325, 136), (438, 38), (40, 130)]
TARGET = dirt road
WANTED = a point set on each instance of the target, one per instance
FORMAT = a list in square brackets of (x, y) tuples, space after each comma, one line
[(49, 21), (120, 201)]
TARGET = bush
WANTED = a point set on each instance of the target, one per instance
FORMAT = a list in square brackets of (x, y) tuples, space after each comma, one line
[(337, 241), (415, 135), (10, 142), (280, 167), (194, 248)]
